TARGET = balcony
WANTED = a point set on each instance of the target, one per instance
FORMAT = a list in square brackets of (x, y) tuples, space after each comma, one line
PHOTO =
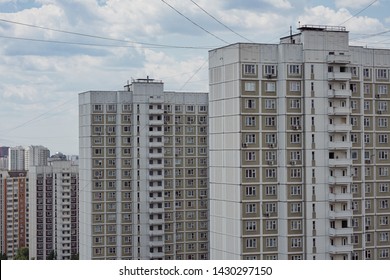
[(156, 233), (340, 180), (156, 111), (156, 122), (340, 162), (155, 155), (340, 145), (339, 111), (156, 144), (156, 210), (156, 177), (156, 222), (339, 59), (339, 76), (157, 243), (339, 127), (156, 133), (340, 215), (339, 93), (340, 196), (338, 249), (157, 255), (340, 231), (155, 166), (156, 199)]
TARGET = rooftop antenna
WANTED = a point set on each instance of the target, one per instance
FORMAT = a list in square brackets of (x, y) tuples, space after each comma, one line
[(291, 37)]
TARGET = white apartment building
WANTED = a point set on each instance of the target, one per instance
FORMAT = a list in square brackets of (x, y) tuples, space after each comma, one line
[(36, 156), (143, 173), (16, 158), (14, 211), (54, 210), (299, 149)]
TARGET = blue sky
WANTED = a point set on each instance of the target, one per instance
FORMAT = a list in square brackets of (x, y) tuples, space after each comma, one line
[(42, 70)]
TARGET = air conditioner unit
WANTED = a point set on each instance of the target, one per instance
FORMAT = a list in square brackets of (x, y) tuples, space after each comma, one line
[(271, 145), (377, 95), (269, 76), (367, 227), (266, 214), (293, 162), (270, 162), (379, 112), (367, 161), (244, 145)]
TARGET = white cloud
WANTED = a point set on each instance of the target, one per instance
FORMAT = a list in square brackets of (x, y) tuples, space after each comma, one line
[(281, 4), (355, 4), (322, 15)]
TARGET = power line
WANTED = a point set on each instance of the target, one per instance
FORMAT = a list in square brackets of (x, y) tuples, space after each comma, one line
[(150, 45), (372, 3), (194, 23), (227, 27), (101, 45)]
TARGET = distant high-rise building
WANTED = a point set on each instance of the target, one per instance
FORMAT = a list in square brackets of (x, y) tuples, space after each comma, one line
[(16, 158), (3, 151), (14, 211), (36, 156), (54, 212), (299, 149), (143, 173)]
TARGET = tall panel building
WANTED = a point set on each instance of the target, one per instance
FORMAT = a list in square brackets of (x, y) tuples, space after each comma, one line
[(143, 173), (36, 156), (54, 212), (16, 158), (14, 211), (299, 149)]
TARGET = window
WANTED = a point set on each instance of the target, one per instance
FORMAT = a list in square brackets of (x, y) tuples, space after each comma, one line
[(296, 242), (366, 73), (295, 86), (295, 190), (366, 105), (251, 243), (296, 224), (250, 173), (251, 208), (382, 89), (383, 187), (250, 191), (271, 242), (270, 208), (250, 121), (382, 106), (250, 86), (250, 138), (384, 253), (190, 108), (383, 154), (295, 138), (382, 73), (295, 173), (270, 87), (366, 138), (250, 156), (270, 104), (294, 69), (249, 69), (383, 220), (202, 108), (382, 122), (270, 121), (270, 225), (251, 225), (270, 190), (383, 171), (296, 207), (354, 71), (270, 155), (270, 138), (383, 236), (270, 173), (366, 122), (270, 70), (295, 104), (295, 121), (383, 204), (382, 138), (250, 104)]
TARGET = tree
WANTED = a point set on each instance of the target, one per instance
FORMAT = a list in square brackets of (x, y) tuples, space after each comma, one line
[(22, 254), (3, 256), (75, 257)]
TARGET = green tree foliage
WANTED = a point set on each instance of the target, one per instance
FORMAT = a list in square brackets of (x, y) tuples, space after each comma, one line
[(22, 254)]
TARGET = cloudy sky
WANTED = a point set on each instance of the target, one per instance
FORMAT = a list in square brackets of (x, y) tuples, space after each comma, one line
[(51, 50)]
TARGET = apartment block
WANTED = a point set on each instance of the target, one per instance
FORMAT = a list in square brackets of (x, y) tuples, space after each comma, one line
[(16, 158), (143, 173), (54, 210), (14, 211), (299, 149), (36, 156)]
